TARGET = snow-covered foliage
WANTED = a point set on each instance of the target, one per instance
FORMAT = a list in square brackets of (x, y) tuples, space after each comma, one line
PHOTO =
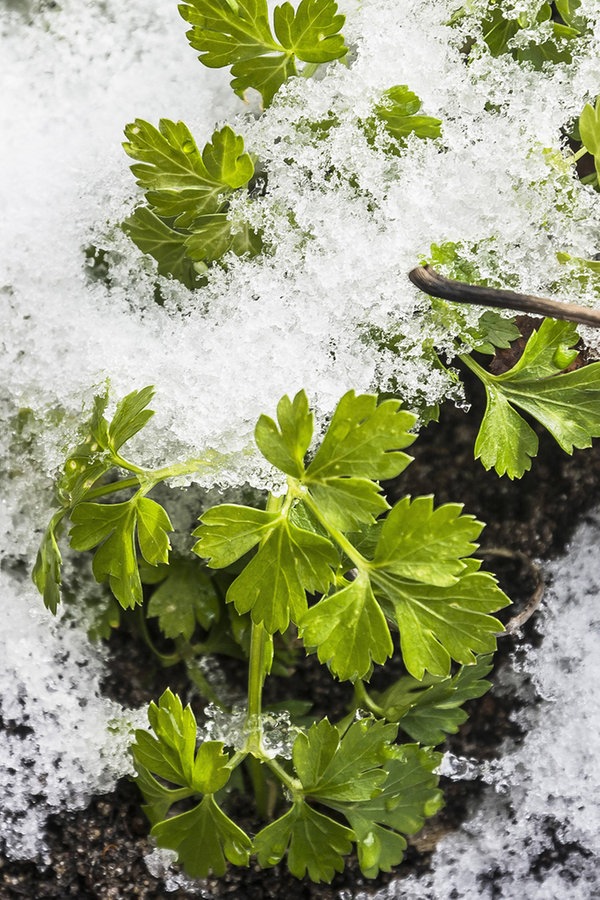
[(344, 222)]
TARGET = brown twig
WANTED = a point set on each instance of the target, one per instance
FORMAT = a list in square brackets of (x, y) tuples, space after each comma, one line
[(517, 621), (430, 282)]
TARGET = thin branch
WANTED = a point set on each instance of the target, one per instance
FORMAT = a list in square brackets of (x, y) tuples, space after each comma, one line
[(517, 621), (430, 282)]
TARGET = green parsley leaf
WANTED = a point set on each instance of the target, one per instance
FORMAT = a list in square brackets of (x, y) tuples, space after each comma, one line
[(343, 767), (398, 110), (239, 35), (430, 709), (285, 444), (438, 624), (204, 838), (349, 630), (567, 405), (46, 571), (493, 332), (181, 182), (409, 795), (273, 586), (185, 598), (114, 527), (425, 544), (228, 532), (167, 246), (364, 439), (315, 844)]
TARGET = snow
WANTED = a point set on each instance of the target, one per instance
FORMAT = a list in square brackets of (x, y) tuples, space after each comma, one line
[(345, 222)]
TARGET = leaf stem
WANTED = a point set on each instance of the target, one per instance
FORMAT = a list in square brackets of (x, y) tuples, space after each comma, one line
[(362, 699)]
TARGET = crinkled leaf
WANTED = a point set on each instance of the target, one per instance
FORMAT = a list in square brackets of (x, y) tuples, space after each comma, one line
[(364, 439), (315, 844), (430, 709), (311, 32), (228, 532), (410, 794), (398, 110), (182, 183), (344, 767), (240, 35), (114, 526), (273, 586), (186, 597), (205, 839), (425, 544), (348, 630), (130, 417), (163, 243), (284, 443), (567, 405), (438, 624), (46, 571)]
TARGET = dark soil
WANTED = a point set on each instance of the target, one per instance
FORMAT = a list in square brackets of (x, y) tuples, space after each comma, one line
[(99, 852)]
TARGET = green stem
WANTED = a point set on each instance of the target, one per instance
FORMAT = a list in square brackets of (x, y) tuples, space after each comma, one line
[(112, 488), (166, 659), (577, 156), (475, 367), (363, 700), (292, 784), (309, 70)]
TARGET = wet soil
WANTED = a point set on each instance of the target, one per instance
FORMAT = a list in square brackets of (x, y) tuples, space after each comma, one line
[(98, 853)]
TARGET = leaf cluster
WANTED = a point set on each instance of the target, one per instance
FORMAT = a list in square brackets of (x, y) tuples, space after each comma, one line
[(185, 225), (353, 771), (239, 35), (119, 530), (542, 384), (416, 576)]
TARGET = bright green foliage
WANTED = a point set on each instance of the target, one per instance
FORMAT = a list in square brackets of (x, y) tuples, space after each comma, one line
[(438, 624), (185, 225), (315, 844), (409, 795), (589, 131), (349, 630), (424, 544), (399, 108), (239, 35), (430, 709), (567, 404), (289, 562), (83, 469), (384, 791), (204, 837), (186, 598), (418, 578), (115, 527)]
